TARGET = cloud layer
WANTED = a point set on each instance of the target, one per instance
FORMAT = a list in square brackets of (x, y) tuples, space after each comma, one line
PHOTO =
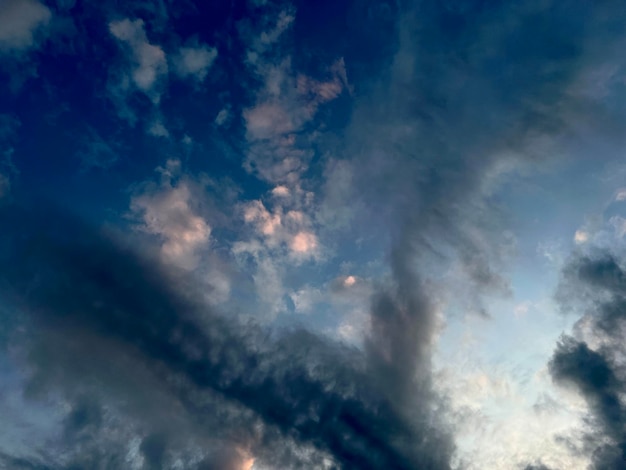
[(101, 317)]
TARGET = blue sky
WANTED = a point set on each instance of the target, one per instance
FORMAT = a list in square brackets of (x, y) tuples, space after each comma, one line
[(348, 235)]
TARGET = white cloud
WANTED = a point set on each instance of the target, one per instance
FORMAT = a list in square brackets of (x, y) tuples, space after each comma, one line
[(305, 299), (304, 243), (281, 235), (268, 120), (267, 224), (286, 102), (349, 281), (620, 195), (195, 61), (166, 211), (149, 60), (19, 22), (501, 421), (581, 236), (355, 324), (280, 191), (291, 230), (173, 212)]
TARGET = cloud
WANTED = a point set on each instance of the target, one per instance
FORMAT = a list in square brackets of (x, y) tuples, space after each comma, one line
[(620, 195), (305, 299), (536, 466), (619, 226), (303, 243), (279, 229), (149, 63), (166, 211), (416, 162), (283, 235), (20, 23), (176, 216), (157, 129), (280, 124), (223, 116), (194, 61), (349, 281), (269, 37), (120, 328), (463, 97), (581, 236), (596, 284)]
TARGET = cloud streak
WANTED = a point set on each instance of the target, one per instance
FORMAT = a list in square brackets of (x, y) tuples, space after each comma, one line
[(95, 306)]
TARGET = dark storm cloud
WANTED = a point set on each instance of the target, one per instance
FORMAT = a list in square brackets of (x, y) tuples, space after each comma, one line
[(101, 317), (597, 283), (593, 374)]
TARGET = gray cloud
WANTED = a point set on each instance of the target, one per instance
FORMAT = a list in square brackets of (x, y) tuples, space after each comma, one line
[(465, 87), (472, 93), (20, 24), (117, 336), (596, 284)]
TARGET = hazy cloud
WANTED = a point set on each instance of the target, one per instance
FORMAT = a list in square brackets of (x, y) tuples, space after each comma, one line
[(194, 61), (149, 63), (20, 23)]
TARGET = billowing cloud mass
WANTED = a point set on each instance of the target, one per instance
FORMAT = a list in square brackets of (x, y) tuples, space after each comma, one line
[(592, 361), (148, 341), (358, 234)]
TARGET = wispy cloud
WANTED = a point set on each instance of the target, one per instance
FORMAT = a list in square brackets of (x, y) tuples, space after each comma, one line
[(148, 62)]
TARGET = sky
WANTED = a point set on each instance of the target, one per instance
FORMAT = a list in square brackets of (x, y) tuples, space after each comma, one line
[(348, 234)]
